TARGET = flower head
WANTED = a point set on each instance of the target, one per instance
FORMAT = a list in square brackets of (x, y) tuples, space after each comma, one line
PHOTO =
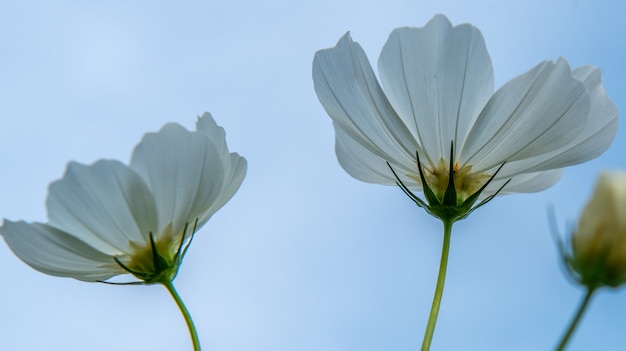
[(598, 245), (109, 218), (439, 127)]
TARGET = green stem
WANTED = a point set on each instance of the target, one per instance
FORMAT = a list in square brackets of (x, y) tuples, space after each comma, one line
[(579, 314), (441, 279), (183, 309)]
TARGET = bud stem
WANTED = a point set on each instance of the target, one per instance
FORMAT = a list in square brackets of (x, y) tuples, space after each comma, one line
[(183, 309), (443, 265), (574, 323)]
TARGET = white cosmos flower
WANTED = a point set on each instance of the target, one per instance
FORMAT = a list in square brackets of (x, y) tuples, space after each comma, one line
[(108, 218), (439, 91)]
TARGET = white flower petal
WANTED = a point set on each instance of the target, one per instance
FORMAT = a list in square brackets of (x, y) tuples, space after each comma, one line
[(106, 205), (364, 165), (525, 183), (57, 253), (533, 114), (347, 88), (235, 166), (595, 138), (438, 78), (185, 172), (233, 180), (207, 125)]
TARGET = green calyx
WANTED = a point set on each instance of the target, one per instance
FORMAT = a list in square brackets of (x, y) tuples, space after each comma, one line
[(594, 273), (449, 207), (157, 263)]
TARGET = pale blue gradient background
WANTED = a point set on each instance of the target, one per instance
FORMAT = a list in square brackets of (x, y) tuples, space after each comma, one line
[(304, 258)]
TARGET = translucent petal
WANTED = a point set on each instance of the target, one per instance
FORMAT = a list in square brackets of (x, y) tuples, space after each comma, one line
[(207, 125), (347, 88), (363, 165), (595, 138), (525, 183), (535, 113), (57, 253), (233, 180), (185, 172), (438, 78), (105, 205), (235, 166)]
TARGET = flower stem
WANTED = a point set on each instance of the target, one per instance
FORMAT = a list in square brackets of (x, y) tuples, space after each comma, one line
[(183, 309), (443, 265), (574, 323)]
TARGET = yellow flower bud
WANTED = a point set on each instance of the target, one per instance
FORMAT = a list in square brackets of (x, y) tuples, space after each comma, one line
[(599, 243)]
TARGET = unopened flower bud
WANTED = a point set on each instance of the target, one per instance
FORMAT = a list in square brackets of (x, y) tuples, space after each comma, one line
[(599, 242)]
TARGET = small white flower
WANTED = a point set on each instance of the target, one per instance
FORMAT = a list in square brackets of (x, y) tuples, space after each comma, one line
[(108, 218), (439, 104)]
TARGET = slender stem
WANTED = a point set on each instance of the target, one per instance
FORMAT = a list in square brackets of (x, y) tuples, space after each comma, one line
[(574, 323), (443, 265), (183, 309)]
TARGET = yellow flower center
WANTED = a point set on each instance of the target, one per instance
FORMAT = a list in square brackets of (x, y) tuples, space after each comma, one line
[(466, 183)]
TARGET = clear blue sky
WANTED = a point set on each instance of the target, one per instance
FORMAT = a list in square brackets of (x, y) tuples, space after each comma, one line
[(303, 257)]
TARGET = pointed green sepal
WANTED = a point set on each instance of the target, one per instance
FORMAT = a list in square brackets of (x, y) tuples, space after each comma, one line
[(160, 264), (131, 271), (447, 208), (428, 193), (449, 198), (485, 200), (155, 266), (407, 191)]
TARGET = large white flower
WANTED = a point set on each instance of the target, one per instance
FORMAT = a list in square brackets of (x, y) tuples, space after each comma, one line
[(108, 218), (438, 106)]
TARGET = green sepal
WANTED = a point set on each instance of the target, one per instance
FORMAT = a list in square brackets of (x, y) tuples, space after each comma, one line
[(163, 270), (407, 191), (428, 193), (592, 274), (448, 208), (159, 262), (449, 197)]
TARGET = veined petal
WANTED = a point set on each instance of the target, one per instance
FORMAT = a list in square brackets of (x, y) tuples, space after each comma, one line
[(366, 166), (184, 171), (535, 113), (438, 78), (106, 205), (525, 183), (232, 182), (207, 125), (235, 166), (595, 138), (347, 88), (57, 253)]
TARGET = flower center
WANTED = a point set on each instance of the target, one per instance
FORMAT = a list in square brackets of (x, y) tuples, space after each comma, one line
[(142, 257), (466, 183), (449, 199), (157, 260)]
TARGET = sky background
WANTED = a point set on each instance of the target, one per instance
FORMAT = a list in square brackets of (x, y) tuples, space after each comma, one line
[(304, 257)]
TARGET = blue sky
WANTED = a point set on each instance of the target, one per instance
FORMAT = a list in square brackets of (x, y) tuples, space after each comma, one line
[(303, 257)]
